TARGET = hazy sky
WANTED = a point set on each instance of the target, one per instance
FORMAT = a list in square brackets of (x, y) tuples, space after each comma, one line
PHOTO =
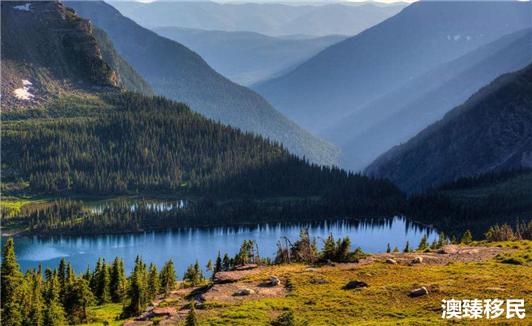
[(286, 1)]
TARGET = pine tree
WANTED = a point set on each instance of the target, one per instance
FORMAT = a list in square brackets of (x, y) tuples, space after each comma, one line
[(54, 314), (209, 266), (137, 290), (407, 247), (103, 281), (388, 249), (11, 281), (191, 319), (153, 282), (78, 298), (395, 249), (467, 238), (423, 243), (226, 263), (194, 275), (36, 306), (329, 249), (61, 274), (117, 282), (168, 277)]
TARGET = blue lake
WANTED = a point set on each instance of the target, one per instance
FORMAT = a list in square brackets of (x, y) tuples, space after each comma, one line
[(184, 246)]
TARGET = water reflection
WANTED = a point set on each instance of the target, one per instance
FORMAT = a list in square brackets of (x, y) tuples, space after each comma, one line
[(185, 245)]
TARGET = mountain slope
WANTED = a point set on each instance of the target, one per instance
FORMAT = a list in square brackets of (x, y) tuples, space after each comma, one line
[(174, 71), (348, 75), (247, 57), (37, 65), (491, 131), (401, 114), (101, 140), (265, 18)]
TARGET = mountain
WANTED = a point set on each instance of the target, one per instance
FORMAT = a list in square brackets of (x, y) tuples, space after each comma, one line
[(491, 131), (174, 71), (37, 65), (272, 19), (401, 114), (348, 75), (247, 57), (98, 139), (62, 60)]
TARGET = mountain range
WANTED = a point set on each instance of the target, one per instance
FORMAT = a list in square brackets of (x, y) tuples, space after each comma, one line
[(176, 72), (346, 76), (399, 115), (490, 132), (247, 57), (93, 137), (272, 19)]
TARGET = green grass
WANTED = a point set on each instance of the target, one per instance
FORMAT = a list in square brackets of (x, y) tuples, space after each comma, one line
[(386, 300), (108, 312)]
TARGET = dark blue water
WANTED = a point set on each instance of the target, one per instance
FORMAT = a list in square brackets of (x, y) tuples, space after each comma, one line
[(186, 245)]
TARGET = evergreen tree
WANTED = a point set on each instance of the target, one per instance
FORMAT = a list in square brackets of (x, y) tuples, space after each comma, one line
[(407, 247), (78, 298), (11, 281), (423, 243), (467, 238), (61, 274), (342, 250), (137, 290), (35, 314), (209, 266), (442, 240), (194, 275), (388, 249), (168, 277), (191, 319), (117, 282), (226, 263), (54, 314), (153, 282), (395, 249), (329, 248), (104, 279)]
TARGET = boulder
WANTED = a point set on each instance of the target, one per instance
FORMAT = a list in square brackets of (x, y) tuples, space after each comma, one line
[(246, 267), (449, 249), (274, 281), (418, 292), (164, 311), (391, 261), (355, 285), (244, 291), (417, 260)]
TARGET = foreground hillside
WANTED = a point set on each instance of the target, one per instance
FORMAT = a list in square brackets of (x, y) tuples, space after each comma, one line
[(176, 72), (496, 122), (315, 295)]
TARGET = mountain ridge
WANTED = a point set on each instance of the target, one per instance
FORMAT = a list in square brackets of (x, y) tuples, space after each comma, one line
[(174, 71)]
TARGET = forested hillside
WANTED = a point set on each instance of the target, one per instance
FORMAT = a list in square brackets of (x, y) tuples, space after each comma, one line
[(175, 72), (492, 131)]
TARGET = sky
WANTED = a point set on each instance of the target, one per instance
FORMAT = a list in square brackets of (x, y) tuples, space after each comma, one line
[(286, 1)]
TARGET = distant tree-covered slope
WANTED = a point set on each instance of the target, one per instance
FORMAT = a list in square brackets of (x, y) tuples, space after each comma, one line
[(346, 76), (275, 19), (401, 114), (178, 73), (248, 57), (492, 131)]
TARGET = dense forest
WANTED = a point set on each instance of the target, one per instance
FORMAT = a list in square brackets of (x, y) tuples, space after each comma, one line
[(150, 144)]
